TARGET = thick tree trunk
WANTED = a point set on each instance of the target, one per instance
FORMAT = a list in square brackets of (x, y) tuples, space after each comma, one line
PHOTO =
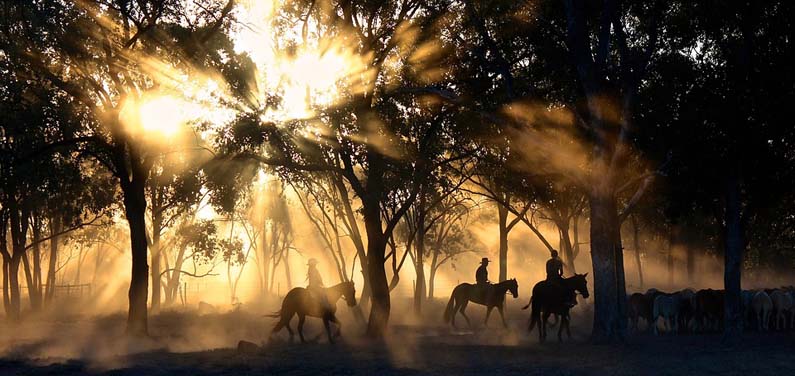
[(733, 258), (502, 214), (379, 288), (20, 220), (13, 280), (376, 273), (135, 209), (610, 322)]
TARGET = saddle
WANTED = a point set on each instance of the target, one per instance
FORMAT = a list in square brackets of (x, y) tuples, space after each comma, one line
[(570, 300), (483, 290)]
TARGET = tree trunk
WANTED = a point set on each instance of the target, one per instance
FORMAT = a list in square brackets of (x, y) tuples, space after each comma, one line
[(356, 238), (287, 273), (733, 258), (419, 290), (6, 292), (135, 210), (55, 227), (379, 288), (20, 221), (157, 223), (13, 279), (33, 268), (610, 322), (670, 257), (636, 244), (266, 259), (566, 247), (29, 282), (502, 214), (376, 273), (691, 264)]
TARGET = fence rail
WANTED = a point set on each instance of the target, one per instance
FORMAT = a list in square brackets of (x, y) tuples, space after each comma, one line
[(77, 290)]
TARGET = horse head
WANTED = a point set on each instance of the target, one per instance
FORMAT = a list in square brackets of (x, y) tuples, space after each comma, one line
[(581, 284), (513, 287), (349, 293)]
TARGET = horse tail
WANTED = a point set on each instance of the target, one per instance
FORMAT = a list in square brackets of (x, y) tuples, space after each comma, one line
[(448, 312), (535, 317), (528, 304)]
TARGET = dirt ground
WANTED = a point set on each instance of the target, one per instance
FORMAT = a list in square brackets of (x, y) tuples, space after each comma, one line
[(190, 343)]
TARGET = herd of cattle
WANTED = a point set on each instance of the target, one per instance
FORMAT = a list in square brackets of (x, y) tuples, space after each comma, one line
[(702, 311)]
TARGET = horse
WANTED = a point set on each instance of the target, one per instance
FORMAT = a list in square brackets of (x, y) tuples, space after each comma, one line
[(762, 306), (494, 297), (687, 308), (299, 301), (639, 308), (782, 304), (667, 307), (709, 309), (551, 298)]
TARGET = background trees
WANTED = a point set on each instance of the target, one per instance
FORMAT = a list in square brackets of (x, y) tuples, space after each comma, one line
[(380, 123)]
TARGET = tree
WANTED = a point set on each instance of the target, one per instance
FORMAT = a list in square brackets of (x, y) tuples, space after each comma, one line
[(369, 141), (609, 90), (110, 67)]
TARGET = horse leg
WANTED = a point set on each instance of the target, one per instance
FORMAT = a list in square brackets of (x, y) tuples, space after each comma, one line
[(290, 330), (500, 309), (654, 326), (301, 319), (568, 325), (339, 326), (463, 313), (544, 320), (328, 329), (488, 313), (533, 321), (560, 327), (452, 318), (276, 328)]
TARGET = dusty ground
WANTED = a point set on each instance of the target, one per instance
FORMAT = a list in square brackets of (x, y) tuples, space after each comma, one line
[(193, 344)]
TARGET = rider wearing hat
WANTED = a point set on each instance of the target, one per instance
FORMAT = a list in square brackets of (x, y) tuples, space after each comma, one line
[(482, 277), (315, 281), (482, 274), (555, 275)]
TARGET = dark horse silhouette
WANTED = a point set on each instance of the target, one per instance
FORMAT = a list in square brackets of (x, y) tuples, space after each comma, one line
[(494, 297), (299, 301), (550, 298)]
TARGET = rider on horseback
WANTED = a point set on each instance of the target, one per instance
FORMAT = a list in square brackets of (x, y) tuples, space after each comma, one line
[(316, 287), (482, 276), (555, 275), (554, 267)]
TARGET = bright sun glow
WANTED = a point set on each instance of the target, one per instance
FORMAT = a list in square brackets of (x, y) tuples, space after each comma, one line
[(163, 115), (310, 77), (158, 117)]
